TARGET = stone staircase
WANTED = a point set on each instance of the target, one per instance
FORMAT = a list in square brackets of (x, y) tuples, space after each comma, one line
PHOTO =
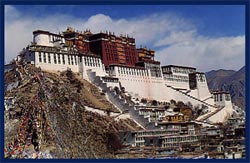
[(192, 97), (210, 114), (120, 102), (210, 97)]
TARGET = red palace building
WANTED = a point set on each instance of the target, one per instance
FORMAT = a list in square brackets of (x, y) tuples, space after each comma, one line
[(111, 48), (77, 39)]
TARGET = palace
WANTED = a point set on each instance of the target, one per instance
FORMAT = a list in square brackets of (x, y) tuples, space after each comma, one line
[(114, 61)]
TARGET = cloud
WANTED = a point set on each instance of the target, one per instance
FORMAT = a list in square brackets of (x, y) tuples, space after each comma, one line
[(19, 28), (174, 38), (203, 52)]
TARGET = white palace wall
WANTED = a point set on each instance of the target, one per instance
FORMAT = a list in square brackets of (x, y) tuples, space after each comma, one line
[(223, 114), (56, 61), (62, 61), (91, 63), (202, 90), (47, 39), (149, 87)]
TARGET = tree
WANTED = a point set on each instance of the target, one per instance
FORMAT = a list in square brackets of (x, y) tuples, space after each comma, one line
[(114, 142), (154, 103), (123, 89), (180, 104), (173, 102), (117, 90), (144, 101), (167, 105)]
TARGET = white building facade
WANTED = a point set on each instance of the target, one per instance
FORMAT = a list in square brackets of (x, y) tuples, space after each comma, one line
[(49, 52)]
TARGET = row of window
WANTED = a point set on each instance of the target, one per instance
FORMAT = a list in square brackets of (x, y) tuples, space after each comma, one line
[(140, 144), (176, 78), (181, 78), (53, 38), (155, 70), (110, 80), (152, 133), (182, 70), (130, 71), (200, 77), (145, 81), (218, 97), (145, 113), (181, 139), (72, 59), (130, 59), (89, 61), (57, 58), (111, 56)]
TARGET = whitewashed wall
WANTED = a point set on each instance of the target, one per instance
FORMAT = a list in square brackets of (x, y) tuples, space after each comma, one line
[(54, 66)]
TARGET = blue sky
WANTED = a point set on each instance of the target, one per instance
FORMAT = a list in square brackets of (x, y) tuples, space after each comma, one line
[(215, 20), (204, 36)]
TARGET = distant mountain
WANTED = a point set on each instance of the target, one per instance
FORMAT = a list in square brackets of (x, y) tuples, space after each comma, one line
[(229, 80)]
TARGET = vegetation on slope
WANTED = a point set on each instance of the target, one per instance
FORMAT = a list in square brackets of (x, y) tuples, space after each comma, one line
[(49, 114)]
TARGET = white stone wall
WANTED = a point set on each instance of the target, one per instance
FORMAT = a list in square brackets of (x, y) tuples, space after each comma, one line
[(62, 62), (141, 86), (203, 91), (178, 85), (91, 63), (55, 63), (42, 39), (48, 39), (149, 87), (223, 114)]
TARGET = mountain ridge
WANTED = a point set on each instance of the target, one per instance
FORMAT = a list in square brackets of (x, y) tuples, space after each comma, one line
[(231, 81)]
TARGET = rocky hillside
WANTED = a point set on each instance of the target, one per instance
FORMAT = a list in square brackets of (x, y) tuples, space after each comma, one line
[(46, 116), (229, 80)]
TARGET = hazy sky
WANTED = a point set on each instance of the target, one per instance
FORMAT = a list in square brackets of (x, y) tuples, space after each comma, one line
[(207, 37)]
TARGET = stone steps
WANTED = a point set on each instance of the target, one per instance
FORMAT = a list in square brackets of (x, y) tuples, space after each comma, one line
[(121, 103)]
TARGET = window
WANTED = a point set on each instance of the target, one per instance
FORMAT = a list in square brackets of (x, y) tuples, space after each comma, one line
[(63, 59), (220, 97), (40, 57), (49, 58), (55, 59), (68, 59), (44, 57), (98, 63), (85, 61), (76, 60), (59, 59)]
